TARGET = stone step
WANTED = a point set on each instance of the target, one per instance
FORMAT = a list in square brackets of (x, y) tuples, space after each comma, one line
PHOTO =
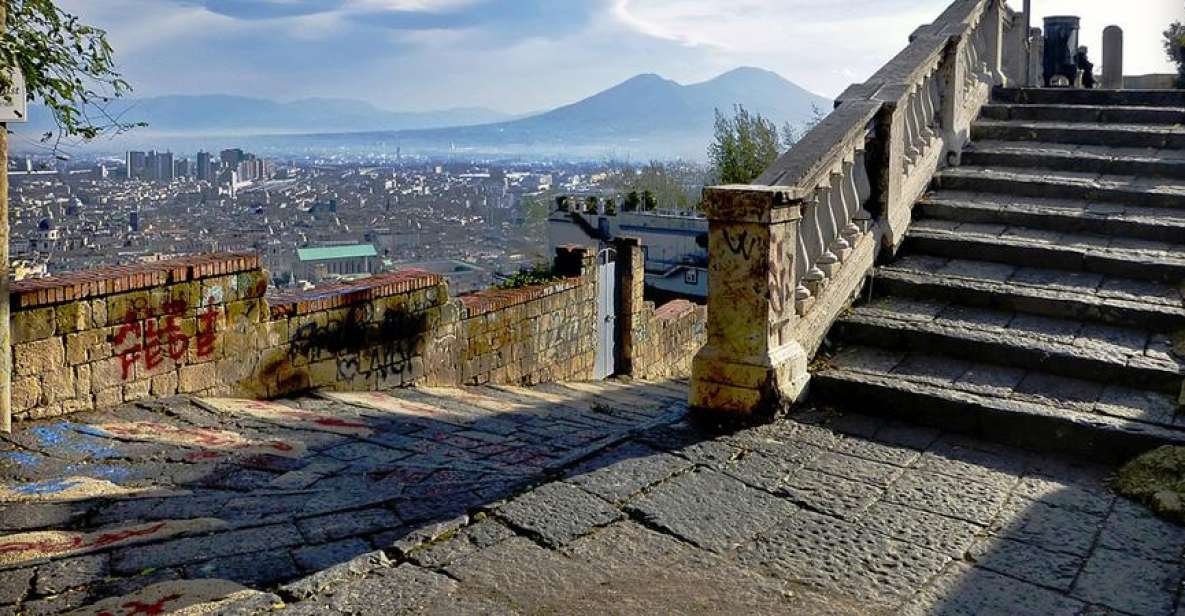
[(1019, 182), (1095, 114), (1082, 296), (1023, 246), (1082, 133), (1019, 408), (1053, 96), (1065, 347), (1080, 158), (1148, 223)]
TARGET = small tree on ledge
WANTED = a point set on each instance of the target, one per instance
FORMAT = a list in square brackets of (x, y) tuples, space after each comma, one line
[(68, 66), (1174, 47)]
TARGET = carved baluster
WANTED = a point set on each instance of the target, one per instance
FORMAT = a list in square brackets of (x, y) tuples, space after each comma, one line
[(839, 213), (828, 262), (851, 200), (911, 133), (862, 217), (802, 295), (927, 105), (934, 93), (815, 278)]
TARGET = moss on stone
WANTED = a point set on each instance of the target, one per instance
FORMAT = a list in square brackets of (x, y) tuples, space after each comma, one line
[(1157, 479)]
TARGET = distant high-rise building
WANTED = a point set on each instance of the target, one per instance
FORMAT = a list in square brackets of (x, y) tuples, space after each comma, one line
[(181, 168), (136, 163), (232, 157), (205, 168), (164, 167)]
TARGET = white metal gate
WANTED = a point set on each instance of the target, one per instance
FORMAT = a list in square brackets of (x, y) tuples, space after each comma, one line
[(606, 314)]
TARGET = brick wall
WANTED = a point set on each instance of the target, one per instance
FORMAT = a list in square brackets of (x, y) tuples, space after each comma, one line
[(534, 334), (653, 343), (207, 325)]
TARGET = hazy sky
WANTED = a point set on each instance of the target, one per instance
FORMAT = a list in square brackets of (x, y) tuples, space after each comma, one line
[(525, 55)]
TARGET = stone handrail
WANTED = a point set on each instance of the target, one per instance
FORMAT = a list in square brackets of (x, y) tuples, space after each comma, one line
[(790, 251)]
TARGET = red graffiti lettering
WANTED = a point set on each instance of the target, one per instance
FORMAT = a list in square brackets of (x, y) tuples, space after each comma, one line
[(153, 339), (128, 356), (153, 356), (207, 332)]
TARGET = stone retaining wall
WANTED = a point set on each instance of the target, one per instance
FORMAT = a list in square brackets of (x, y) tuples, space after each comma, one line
[(206, 325)]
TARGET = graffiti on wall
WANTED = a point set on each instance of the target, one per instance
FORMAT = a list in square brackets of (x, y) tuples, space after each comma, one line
[(147, 340), (361, 343)]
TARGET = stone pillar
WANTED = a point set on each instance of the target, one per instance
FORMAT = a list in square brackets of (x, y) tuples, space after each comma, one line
[(994, 22), (1112, 58), (5, 308), (956, 131), (750, 367), (1036, 58), (631, 302)]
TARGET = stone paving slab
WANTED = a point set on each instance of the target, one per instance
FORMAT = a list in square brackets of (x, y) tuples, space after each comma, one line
[(953, 525), (252, 495), (821, 513)]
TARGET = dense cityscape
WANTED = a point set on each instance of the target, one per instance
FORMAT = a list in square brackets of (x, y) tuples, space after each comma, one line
[(311, 220)]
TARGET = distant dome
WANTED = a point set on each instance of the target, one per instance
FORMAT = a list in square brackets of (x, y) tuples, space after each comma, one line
[(44, 225)]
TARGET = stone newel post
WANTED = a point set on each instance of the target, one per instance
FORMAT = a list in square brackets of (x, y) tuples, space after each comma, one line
[(750, 365)]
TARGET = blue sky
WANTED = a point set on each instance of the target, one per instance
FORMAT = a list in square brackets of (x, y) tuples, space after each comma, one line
[(526, 55)]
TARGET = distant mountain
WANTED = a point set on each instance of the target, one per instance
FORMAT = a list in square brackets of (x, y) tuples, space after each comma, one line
[(645, 116), (237, 115)]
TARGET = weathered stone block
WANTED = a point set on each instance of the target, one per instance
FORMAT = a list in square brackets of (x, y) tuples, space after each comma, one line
[(31, 325), (26, 393), (39, 356), (108, 398), (196, 378), (323, 373), (98, 312), (57, 385), (164, 385), (72, 317), (127, 307), (137, 390), (109, 373)]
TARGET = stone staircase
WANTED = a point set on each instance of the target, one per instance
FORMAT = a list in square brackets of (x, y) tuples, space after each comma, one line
[(1036, 295)]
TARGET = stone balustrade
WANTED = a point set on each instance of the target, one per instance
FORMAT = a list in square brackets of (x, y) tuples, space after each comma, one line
[(789, 252)]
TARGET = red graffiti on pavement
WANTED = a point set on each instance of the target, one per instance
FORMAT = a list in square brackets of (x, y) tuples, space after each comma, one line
[(51, 546), (138, 608)]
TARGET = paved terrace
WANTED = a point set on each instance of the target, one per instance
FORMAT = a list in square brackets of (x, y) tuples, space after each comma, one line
[(583, 498)]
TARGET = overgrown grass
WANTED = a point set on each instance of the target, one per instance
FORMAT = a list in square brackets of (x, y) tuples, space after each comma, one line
[(530, 277)]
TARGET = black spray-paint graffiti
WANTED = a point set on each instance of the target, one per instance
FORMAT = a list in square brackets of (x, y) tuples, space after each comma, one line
[(385, 346)]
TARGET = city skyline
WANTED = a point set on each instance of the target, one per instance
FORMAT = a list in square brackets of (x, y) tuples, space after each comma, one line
[(527, 55)]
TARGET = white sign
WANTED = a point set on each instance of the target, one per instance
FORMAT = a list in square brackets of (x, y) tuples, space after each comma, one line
[(14, 107)]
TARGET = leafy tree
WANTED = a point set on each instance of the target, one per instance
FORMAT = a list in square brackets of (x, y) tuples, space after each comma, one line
[(534, 210), (649, 203), (671, 185), (1174, 47), (791, 136), (744, 146), (67, 65), (590, 205), (561, 203), (610, 206), (631, 202)]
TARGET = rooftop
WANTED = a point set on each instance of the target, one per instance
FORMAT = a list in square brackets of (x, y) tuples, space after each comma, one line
[(329, 253)]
